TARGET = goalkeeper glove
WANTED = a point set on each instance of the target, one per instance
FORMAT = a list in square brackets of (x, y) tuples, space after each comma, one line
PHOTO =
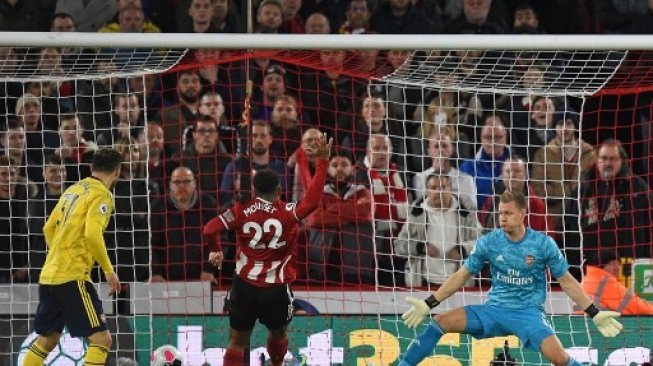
[(418, 311), (605, 321)]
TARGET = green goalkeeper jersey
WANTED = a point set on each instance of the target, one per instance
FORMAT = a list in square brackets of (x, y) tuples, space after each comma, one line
[(74, 233)]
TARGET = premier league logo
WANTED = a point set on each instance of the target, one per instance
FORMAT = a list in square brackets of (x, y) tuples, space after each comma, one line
[(529, 260)]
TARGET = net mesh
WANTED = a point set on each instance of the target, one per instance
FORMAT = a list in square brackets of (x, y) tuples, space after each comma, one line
[(397, 117)]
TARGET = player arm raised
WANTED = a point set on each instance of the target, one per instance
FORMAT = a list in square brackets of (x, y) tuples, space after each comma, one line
[(604, 320), (313, 197)]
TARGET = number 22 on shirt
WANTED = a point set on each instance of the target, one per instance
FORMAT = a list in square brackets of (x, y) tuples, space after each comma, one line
[(269, 226)]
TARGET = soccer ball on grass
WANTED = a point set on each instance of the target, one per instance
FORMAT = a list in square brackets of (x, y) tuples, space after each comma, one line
[(166, 355)]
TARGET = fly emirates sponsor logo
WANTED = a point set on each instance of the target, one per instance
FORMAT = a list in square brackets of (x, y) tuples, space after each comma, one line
[(513, 278)]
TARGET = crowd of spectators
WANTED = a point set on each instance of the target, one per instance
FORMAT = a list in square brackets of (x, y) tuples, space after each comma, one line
[(333, 16), (413, 180)]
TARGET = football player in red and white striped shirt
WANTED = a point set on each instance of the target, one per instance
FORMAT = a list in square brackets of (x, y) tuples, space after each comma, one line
[(266, 229)]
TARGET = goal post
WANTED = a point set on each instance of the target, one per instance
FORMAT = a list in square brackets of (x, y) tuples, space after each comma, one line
[(462, 107)]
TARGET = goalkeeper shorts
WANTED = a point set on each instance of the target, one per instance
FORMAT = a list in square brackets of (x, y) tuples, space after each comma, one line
[(529, 325)]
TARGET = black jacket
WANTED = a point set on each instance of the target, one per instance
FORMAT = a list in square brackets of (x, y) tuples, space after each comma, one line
[(613, 214), (178, 251), (412, 22)]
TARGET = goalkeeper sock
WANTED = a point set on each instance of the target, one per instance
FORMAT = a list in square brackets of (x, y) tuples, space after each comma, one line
[(572, 362), (96, 355), (422, 345), (277, 349), (234, 357), (35, 356)]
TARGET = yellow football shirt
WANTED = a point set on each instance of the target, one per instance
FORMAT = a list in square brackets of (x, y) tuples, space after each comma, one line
[(74, 233)]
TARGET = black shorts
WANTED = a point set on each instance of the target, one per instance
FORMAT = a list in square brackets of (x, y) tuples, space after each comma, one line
[(272, 306), (74, 304)]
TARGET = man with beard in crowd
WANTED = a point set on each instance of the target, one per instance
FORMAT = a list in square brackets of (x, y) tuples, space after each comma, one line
[(274, 86), (614, 210), (177, 118), (340, 245), (261, 139)]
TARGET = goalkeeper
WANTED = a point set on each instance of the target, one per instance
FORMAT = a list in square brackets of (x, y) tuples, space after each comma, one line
[(73, 234), (518, 258)]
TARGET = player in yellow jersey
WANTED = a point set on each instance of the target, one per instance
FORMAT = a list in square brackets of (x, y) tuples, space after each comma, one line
[(74, 235)]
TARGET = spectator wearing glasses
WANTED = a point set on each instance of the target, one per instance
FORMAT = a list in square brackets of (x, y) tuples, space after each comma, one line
[(212, 105), (203, 157), (614, 210), (178, 251)]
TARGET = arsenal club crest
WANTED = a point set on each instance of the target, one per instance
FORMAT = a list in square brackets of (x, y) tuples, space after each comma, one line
[(529, 259)]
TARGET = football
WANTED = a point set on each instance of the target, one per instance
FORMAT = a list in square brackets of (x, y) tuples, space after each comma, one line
[(166, 355)]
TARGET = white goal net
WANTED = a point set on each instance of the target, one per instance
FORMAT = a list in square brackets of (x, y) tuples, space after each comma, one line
[(426, 140)]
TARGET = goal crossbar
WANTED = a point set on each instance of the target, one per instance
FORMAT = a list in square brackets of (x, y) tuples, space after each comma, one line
[(308, 42)]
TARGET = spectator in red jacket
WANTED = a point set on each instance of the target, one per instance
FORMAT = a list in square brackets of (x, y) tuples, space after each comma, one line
[(514, 177), (340, 245)]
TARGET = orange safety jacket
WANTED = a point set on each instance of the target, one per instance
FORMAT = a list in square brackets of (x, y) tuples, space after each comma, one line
[(608, 293)]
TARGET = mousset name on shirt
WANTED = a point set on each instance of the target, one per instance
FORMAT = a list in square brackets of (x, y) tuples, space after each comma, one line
[(259, 206), (513, 278)]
